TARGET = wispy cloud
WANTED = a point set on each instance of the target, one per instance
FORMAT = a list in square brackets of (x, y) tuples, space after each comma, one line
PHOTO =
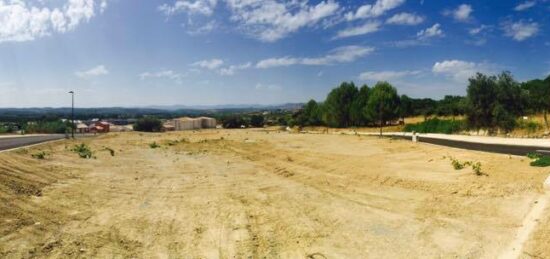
[(205, 7), (377, 9), (270, 21), (93, 72), (368, 27), (21, 21), (431, 32), (166, 74), (405, 19), (525, 5), (230, 70), (209, 63), (271, 87), (520, 30), (339, 55), (386, 75), (460, 70)]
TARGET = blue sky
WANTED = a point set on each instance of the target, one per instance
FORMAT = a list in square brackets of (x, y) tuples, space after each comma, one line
[(207, 52)]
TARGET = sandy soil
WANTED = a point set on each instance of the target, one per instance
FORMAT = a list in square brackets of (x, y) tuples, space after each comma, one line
[(255, 194)]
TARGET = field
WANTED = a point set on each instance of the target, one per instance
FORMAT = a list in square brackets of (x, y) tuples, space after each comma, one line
[(258, 193)]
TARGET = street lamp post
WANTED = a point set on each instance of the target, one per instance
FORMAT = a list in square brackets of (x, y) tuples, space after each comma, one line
[(72, 114)]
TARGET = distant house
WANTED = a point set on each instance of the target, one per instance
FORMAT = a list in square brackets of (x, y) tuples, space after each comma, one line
[(82, 128), (187, 123)]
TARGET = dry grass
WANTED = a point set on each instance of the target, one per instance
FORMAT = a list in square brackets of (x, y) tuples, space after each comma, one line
[(258, 193)]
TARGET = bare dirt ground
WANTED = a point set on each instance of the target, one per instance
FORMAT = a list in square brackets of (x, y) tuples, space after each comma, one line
[(256, 194)]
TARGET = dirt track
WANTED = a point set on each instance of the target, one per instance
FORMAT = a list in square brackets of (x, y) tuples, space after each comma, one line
[(242, 193)]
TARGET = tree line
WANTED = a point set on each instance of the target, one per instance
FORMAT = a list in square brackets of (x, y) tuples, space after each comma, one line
[(492, 103)]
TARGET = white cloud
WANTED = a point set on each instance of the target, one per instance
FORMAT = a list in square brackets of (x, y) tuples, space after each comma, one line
[(277, 62), (460, 70), (339, 55), (271, 87), (20, 21), (230, 70), (373, 10), (209, 64), (204, 7), (461, 13), (270, 20), (405, 19), (521, 30), (386, 75), (92, 72), (368, 27), (167, 74), (478, 30), (203, 29), (434, 31), (525, 5)]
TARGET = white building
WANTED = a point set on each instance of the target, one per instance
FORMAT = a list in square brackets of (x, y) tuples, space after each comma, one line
[(187, 123)]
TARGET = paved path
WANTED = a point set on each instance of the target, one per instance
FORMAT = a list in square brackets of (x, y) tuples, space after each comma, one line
[(511, 146), (10, 142)]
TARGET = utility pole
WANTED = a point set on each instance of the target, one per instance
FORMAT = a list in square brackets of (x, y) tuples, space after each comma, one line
[(72, 114)]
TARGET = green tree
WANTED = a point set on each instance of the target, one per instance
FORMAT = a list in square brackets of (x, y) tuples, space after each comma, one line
[(494, 102), (257, 120), (338, 103), (148, 124), (358, 116), (481, 94), (406, 108), (383, 103), (538, 97), (311, 114)]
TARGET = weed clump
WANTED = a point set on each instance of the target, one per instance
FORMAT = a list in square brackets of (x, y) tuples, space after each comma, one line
[(83, 151), (476, 167), (457, 165), (154, 145), (40, 155), (111, 151)]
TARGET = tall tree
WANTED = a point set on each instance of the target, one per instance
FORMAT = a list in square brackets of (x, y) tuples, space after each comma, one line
[(538, 97), (338, 103), (481, 94), (358, 115), (383, 103)]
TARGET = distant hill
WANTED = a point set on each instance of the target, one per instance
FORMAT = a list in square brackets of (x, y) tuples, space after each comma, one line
[(19, 114)]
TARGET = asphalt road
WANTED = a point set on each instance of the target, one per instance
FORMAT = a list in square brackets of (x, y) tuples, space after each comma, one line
[(19, 141), (494, 148)]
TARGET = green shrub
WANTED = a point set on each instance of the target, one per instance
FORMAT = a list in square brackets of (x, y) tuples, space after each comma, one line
[(541, 161), (529, 126), (436, 125), (40, 155), (83, 150), (154, 145), (148, 124)]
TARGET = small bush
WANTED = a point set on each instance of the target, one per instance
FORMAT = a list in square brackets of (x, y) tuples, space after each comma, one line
[(541, 161), (533, 155), (40, 155), (83, 151), (154, 145)]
